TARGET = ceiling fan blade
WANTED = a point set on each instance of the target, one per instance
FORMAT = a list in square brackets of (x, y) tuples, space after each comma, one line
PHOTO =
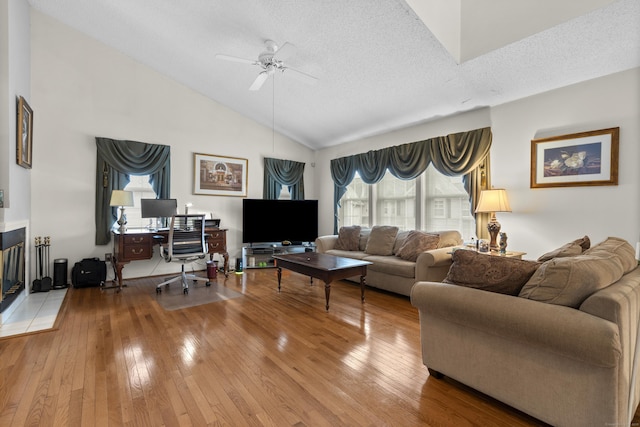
[(236, 59), (259, 81), (285, 51), (303, 77)]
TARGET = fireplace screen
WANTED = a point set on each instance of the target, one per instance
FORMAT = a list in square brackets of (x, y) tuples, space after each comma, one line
[(12, 258)]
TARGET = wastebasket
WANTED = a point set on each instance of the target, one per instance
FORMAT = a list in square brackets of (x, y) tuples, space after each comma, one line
[(60, 266), (212, 269)]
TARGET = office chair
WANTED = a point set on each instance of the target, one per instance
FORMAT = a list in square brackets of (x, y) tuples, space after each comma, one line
[(186, 244)]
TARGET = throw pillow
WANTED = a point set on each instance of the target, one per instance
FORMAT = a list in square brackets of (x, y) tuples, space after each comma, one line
[(381, 240), (569, 281), (400, 239), (619, 247), (489, 272), (348, 238), (570, 249), (584, 243), (416, 243)]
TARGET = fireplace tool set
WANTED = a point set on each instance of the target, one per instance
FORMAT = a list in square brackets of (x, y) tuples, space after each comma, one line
[(43, 281)]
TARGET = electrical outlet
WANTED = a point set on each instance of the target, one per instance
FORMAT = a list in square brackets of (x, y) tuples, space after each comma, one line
[(107, 257)]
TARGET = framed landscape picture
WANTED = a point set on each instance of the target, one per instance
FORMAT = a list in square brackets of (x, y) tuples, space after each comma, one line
[(579, 159), (219, 175), (24, 140)]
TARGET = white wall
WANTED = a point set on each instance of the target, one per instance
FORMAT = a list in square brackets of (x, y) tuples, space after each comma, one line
[(83, 89), (542, 219), (15, 67), (15, 80)]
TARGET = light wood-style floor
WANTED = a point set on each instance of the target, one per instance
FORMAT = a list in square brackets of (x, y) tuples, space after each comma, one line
[(263, 359)]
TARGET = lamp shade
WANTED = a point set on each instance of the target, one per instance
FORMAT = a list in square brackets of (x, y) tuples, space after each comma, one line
[(121, 198), (494, 200)]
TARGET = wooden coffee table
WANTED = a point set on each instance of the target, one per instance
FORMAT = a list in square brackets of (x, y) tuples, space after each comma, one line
[(323, 266)]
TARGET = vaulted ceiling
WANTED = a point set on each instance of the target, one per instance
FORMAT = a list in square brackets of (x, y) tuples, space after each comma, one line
[(380, 65)]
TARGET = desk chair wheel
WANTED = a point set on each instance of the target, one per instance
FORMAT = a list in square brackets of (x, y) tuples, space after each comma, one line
[(208, 284), (186, 291), (158, 291)]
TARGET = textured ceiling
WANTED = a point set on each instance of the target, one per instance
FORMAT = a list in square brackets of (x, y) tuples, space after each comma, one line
[(378, 65)]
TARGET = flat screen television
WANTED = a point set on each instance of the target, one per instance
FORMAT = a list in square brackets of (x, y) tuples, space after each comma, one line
[(158, 208), (274, 221)]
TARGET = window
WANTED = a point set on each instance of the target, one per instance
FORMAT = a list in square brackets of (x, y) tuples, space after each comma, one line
[(354, 204), (430, 202), (141, 188), (284, 193), (396, 202)]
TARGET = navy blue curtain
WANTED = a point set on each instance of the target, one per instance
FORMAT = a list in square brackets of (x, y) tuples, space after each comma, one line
[(452, 155), (116, 160), (279, 172)]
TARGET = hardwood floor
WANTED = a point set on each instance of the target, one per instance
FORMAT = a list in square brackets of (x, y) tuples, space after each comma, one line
[(263, 359)]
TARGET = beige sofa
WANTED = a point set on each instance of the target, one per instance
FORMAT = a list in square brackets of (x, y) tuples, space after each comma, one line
[(391, 272), (563, 349)]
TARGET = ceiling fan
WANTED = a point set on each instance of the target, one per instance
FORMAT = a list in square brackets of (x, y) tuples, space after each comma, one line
[(271, 60)]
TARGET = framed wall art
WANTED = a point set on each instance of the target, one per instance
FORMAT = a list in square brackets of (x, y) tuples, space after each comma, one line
[(219, 175), (24, 134), (579, 159)]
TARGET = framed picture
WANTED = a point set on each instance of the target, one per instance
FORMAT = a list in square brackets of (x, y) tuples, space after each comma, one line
[(579, 159), (24, 134), (219, 175)]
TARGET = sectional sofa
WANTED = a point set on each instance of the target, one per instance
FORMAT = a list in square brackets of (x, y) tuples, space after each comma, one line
[(556, 339)]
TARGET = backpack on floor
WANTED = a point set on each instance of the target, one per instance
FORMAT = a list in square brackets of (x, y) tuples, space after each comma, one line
[(89, 272)]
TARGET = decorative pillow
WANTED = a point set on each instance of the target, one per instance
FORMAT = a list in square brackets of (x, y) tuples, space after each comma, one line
[(348, 238), (569, 281), (489, 272), (416, 243), (400, 239), (381, 240), (584, 243), (570, 249), (619, 247), (364, 236)]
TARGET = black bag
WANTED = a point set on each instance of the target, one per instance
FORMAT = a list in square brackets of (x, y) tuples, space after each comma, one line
[(89, 272)]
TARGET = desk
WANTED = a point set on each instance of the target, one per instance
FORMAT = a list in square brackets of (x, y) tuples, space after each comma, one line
[(136, 245)]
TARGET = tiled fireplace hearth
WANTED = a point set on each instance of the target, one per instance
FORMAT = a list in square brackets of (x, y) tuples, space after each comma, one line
[(12, 260)]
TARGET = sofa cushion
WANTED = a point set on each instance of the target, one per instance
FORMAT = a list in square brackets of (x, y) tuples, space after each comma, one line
[(569, 281), (348, 238), (489, 272), (381, 240), (391, 265), (569, 249), (416, 243), (347, 254), (619, 247)]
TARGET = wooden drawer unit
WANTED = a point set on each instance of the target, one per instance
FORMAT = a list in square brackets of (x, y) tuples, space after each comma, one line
[(131, 247), (217, 241)]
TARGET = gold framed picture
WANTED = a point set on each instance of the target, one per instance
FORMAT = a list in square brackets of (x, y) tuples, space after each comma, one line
[(219, 175), (24, 134), (578, 159)]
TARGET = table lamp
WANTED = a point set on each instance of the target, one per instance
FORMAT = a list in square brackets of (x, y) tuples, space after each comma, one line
[(121, 198), (492, 201)]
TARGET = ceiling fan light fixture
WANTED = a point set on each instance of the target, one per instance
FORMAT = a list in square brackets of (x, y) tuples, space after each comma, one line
[(271, 60)]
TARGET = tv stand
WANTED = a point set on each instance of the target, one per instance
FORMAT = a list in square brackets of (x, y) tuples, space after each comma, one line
[(260, 255)]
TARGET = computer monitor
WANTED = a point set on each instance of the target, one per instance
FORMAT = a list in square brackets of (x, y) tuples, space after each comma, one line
[(158, 208)]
